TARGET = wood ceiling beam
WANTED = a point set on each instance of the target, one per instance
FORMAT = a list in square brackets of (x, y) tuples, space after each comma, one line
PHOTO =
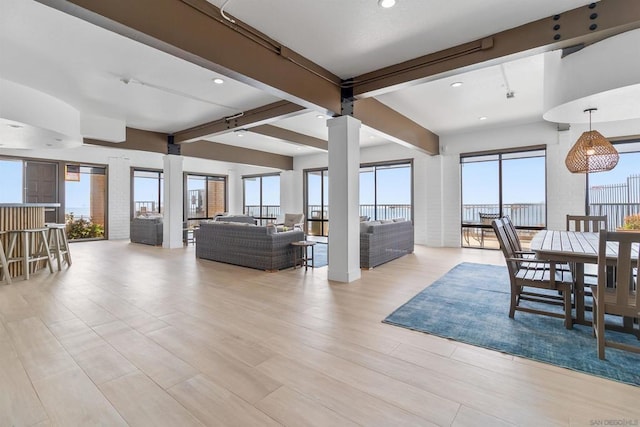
[(574, 27), (136, 139), (229, 153), (395, 127), (195, 31), (257, 116), (290, 136)]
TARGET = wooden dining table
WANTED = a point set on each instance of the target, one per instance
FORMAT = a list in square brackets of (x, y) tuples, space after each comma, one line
[(575, 247)]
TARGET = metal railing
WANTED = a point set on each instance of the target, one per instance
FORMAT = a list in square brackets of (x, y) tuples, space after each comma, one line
[(615, 212), (268, 213), (141, 206), (522, 214), (386, 211)]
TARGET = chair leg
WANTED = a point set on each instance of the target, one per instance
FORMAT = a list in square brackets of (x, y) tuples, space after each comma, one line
[(568, 320), (600, 332), (5, 265), (514, 303)]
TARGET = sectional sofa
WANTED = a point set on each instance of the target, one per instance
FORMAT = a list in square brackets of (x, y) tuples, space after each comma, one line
[(247, 245), (383, 241)]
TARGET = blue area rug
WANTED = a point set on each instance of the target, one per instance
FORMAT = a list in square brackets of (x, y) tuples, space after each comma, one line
[(320, 254), (470, 304)]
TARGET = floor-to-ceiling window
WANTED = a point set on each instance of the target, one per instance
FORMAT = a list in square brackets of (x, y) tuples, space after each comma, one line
[(85, 201), (147, 188), (205, 197), (316, 186), (261, 197), (386, 190), (616, 193), (11, 174), (504, 183)]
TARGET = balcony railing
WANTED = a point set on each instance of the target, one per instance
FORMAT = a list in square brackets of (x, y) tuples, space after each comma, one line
[(386, 211), (522, 214), (615, 212)]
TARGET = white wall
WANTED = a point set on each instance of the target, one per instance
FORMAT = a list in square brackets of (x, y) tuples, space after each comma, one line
[(436, 178), (120, 162)]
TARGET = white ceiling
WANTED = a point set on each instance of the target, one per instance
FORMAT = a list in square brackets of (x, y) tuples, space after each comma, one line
[(84, 65)]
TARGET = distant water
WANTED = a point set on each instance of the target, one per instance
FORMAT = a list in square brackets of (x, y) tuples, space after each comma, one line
[(78, 211)]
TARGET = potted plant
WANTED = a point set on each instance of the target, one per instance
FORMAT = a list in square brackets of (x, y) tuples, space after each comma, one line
[(631, 223)]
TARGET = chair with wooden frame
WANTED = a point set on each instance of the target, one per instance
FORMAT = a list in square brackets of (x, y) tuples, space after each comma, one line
[(623, 298), (528, 274), (586, 223)]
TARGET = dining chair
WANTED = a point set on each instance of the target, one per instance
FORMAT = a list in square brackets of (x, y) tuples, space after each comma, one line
[(623, 299), (586, 223), (529, 276)]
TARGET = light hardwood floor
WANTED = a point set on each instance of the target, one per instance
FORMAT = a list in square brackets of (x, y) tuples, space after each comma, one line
[(144, 336)]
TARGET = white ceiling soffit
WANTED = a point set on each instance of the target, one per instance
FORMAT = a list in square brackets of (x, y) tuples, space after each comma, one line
[(353, 37), (445, 109), (89, 67), (604, 75), (33, 119)]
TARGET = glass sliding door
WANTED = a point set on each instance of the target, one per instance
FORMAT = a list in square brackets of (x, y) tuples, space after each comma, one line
[(85, 201), (205, 197), (386, 191), (317, 201), (509, 183), (616, 193), (147, 192), (262, 197)]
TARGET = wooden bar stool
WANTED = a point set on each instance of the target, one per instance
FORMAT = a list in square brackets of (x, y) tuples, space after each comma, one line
[(3, 261), (35, 247), (58, 243)]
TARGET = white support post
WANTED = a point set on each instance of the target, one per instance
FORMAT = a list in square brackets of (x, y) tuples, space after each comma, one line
[(344, 199), (173, 202)]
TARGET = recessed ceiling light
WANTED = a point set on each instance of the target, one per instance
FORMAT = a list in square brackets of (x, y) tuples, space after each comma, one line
[(482, 118), (14, 126), (49, 145), (59, 139), (456, 84), (371, 137), (218, 81), (320, 116), (386, 3)]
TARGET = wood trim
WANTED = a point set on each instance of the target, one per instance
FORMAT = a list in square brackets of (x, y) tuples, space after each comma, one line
[(232, 154), (136, 139), (291, 136), (257, 116), (613, 17), (395, 126)]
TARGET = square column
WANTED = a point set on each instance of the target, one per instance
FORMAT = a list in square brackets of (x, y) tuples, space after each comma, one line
[(344, 199), (173, 202)]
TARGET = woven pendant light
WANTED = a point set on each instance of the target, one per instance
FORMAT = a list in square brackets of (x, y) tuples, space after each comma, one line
[(591, 152)]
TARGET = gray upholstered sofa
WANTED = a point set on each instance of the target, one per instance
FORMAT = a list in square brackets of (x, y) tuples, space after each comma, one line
[(382, 241), (244, 219), (146, 230), (247, 245)]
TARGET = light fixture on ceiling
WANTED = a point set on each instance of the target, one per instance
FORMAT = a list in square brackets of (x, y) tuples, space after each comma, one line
[(591, 152), (240, 132), (320, 116), (386, 3), (218, 81), (482, 118), (456, 84)]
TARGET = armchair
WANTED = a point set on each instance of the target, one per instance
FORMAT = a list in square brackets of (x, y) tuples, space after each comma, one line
[(291, 221), (530, 276)]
